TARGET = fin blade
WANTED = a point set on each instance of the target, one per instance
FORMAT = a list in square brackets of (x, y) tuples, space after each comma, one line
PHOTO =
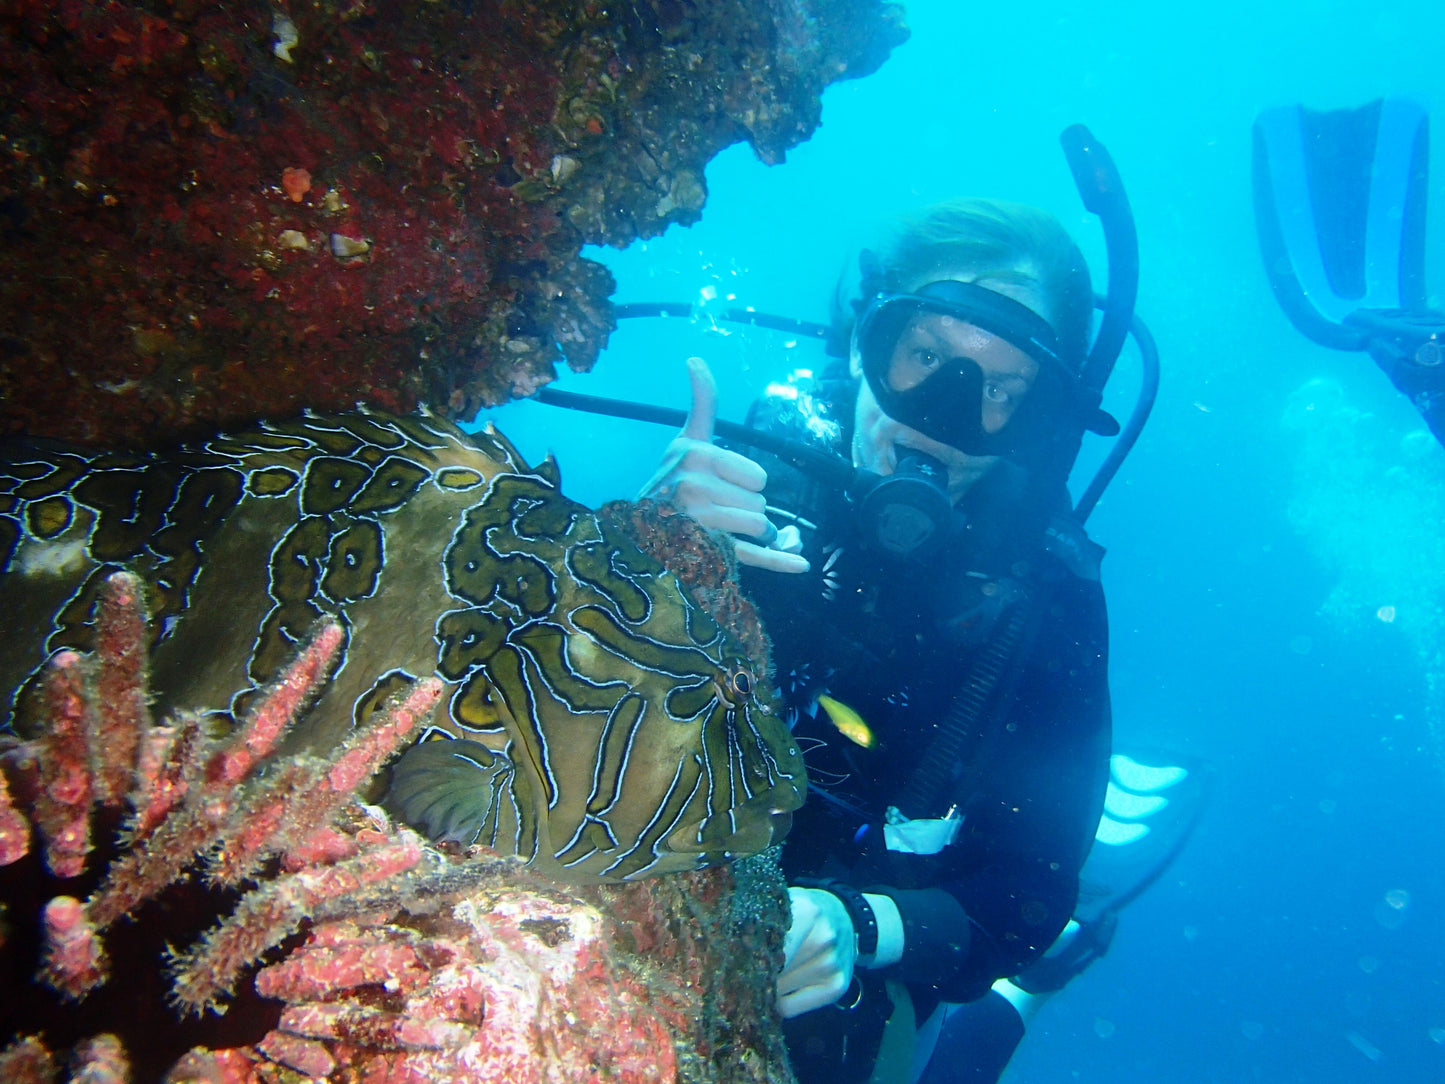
[(447, 789)]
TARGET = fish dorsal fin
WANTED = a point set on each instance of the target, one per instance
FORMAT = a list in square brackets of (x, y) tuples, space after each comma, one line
[(548, 471)]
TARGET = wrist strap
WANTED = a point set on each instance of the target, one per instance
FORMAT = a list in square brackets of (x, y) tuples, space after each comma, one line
[(865, 922)]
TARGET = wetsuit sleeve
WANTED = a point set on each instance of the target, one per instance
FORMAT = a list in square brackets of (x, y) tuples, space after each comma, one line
[(1003, 891)]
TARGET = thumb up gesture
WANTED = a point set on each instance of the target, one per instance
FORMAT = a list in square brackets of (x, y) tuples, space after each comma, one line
[(718, 488)]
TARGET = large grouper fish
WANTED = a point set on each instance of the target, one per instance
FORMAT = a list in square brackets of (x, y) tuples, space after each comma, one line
[(598, 723)]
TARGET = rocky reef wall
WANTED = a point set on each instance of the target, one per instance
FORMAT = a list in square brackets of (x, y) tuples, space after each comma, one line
[(213, 213)]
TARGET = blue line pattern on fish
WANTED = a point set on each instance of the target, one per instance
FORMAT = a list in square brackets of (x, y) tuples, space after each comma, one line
[(598, 722)]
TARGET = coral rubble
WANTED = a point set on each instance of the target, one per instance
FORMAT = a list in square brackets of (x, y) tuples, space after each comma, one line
[(382, 958), (213, 213)]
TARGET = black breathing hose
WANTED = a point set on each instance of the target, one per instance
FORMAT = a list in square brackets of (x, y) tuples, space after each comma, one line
[(1124, 442), (811, 461), (1102, 191)]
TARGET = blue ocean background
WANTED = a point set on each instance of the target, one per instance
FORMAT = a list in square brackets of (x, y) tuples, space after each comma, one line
[(1276, 567)]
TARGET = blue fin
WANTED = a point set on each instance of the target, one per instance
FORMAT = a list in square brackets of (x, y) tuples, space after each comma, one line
[(1339, 201), (1151, 808)]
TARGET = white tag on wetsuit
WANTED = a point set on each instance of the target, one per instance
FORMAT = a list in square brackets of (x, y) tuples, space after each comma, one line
[(922, 836)]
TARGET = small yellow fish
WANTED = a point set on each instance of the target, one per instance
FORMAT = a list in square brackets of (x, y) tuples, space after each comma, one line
[(849, 723)]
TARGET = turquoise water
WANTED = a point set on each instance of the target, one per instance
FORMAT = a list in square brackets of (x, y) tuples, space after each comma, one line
[(1276, 564)]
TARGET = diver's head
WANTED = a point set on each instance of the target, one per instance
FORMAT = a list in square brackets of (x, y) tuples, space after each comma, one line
[(973, 330)]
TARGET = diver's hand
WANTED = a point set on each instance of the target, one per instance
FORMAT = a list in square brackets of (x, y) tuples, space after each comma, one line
[(819, 952), (718, 488)]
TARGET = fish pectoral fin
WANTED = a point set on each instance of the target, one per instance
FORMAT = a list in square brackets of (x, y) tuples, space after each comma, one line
[(452, 790)]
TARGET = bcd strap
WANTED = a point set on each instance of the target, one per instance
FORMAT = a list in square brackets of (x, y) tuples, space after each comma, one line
[(1064, 537), (994, 672)]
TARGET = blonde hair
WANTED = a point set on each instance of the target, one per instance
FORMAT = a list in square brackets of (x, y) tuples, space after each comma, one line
[(984, 239)]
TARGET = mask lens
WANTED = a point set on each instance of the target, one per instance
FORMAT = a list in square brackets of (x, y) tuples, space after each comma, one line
[(943, 397), (946, 406)]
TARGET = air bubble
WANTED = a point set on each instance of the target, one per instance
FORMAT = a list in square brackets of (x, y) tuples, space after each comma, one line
[(1390, 912)]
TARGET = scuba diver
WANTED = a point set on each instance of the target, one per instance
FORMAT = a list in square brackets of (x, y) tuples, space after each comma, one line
[(1339, 201), (939, 636), (936, 859)]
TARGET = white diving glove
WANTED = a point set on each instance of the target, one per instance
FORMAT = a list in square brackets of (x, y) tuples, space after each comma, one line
[(821, 948), (721, 489), (819, 952)]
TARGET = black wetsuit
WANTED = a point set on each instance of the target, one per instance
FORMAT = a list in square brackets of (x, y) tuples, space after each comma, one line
[(1424, 385), (895, 640)]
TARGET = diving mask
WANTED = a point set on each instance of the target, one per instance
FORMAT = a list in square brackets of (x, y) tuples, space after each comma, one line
[(949, 403)]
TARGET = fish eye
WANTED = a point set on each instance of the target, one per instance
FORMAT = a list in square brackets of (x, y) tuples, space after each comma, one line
[(742, 682)]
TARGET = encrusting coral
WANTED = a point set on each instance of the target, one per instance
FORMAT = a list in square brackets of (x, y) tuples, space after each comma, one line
[(269, 204), (703, 562), (260, 206), (411, 964), (192, 799)]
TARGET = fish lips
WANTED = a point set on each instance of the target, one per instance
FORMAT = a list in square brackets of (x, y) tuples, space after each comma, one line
[(745, 829)]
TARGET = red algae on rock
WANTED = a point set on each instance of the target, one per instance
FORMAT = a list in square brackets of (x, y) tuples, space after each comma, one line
[(210, 214)]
